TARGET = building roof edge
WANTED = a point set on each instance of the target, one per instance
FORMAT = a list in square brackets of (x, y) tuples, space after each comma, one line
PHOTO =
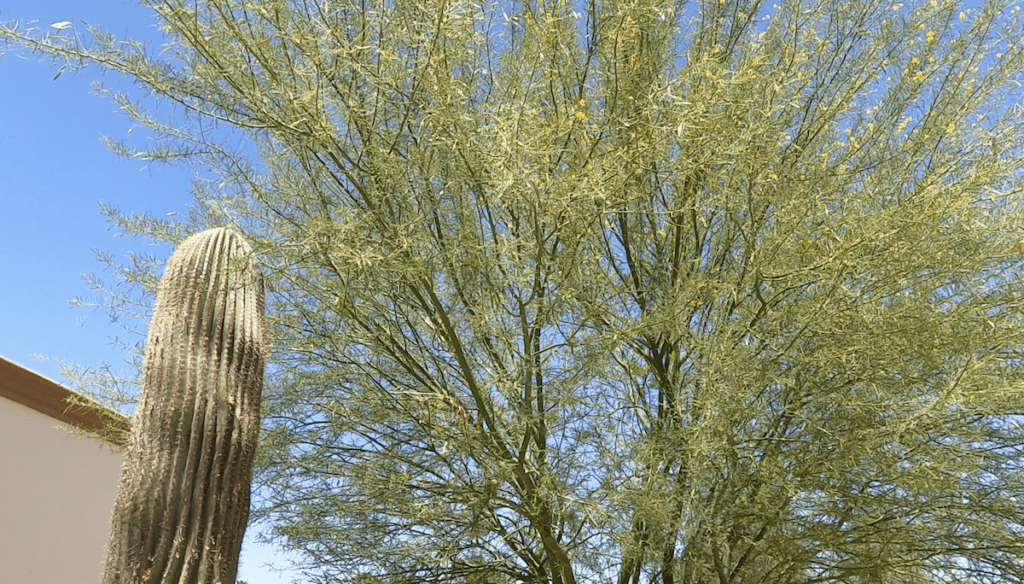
[(46, 396)]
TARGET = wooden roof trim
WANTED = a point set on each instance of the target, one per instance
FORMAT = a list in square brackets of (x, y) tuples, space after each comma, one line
[(45, 396)]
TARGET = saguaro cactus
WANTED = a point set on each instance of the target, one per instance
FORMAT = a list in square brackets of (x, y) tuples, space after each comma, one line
[(183, 502)]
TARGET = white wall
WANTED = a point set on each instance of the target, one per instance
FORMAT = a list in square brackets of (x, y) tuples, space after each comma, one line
[(57, 490)]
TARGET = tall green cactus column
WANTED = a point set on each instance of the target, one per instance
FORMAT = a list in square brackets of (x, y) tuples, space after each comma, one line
[(183, 502)]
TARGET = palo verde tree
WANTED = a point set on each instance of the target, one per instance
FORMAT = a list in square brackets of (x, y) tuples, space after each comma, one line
[(630, 291)]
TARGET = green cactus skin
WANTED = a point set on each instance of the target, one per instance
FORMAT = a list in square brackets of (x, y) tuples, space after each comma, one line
[(183, 502)]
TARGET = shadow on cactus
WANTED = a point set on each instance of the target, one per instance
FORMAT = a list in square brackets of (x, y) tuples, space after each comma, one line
[(183, 502)]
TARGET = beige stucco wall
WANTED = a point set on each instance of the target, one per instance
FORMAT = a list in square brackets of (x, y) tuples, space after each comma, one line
[(56, 493)]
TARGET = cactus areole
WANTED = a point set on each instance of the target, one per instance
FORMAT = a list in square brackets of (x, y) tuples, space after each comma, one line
[(183, 502)]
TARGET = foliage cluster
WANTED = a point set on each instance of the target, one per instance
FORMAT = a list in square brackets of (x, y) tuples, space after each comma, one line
[(628, 290)]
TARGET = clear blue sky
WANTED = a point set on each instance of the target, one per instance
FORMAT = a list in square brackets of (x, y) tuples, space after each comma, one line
[(53, 172)]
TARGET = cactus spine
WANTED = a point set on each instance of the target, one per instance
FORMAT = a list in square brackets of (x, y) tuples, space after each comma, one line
[(183, 502)]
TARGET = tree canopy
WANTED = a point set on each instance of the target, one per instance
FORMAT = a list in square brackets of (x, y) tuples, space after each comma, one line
[(630, 291)]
